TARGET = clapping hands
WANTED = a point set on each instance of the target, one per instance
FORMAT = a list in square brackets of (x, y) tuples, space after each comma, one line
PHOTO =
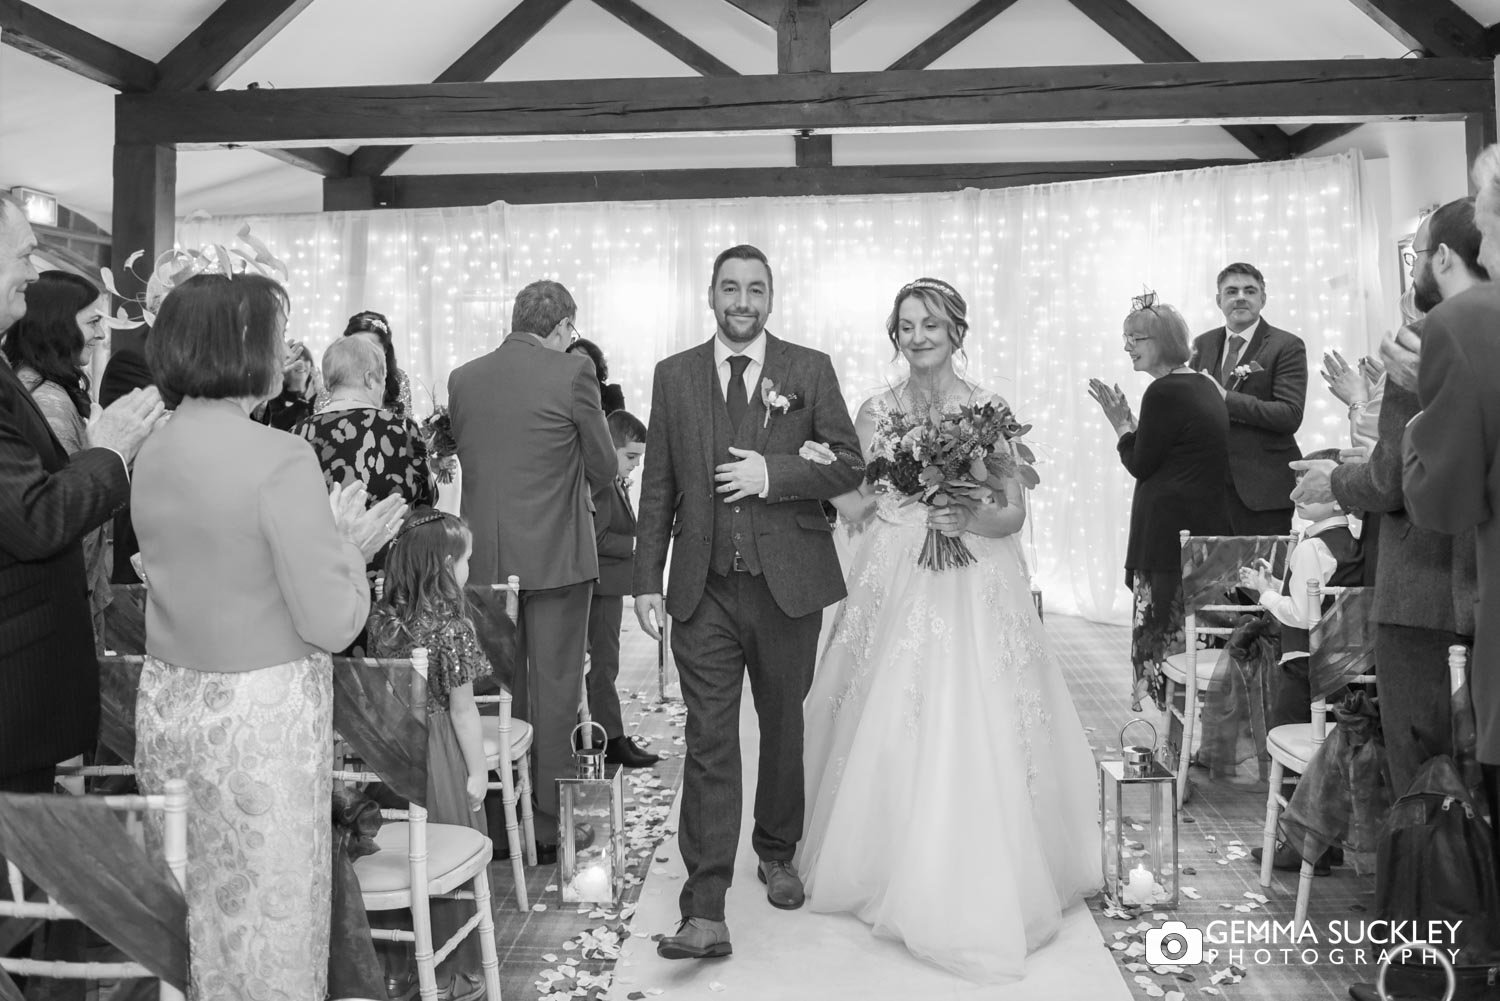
[(129, 421), (1350, 384), (370, 529), (1111, 400), (1257, 578)]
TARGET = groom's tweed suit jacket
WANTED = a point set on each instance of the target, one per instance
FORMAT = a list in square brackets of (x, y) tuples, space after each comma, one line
[(793, 539)]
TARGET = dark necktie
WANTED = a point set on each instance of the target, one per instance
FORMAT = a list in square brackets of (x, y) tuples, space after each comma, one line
[(1231, 358), (735, 396)]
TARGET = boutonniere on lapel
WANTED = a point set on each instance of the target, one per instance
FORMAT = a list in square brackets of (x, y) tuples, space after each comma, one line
[(1243, 372), (774, 401)]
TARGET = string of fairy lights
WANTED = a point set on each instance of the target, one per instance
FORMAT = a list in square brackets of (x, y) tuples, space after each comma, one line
[(1048, 273)]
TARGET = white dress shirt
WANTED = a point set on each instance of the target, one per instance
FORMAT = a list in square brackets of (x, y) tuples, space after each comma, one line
[(1311, 560), (755, 351)]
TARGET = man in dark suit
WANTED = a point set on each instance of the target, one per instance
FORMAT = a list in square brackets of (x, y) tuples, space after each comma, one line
[(49, 676), (753, 565), (1425, 580), (532, 443), (1452, 448), (1262, 373), (614, 531)]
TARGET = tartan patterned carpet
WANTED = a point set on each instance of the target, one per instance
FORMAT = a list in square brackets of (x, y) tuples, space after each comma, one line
[(1094, 659)]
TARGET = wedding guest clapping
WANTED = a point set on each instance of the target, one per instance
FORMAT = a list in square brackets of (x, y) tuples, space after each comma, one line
[(49, 500), (356, 438), (300, 387), (251, 580), (50, 349), (1178, 453)]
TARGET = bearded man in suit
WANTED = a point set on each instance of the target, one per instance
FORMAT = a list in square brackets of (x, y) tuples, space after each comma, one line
[(1261, 372), (753, 566), (1452, 470), (49, 676), (533, 445)]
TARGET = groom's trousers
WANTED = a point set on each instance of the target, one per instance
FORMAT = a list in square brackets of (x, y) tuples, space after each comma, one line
[(738, 627)]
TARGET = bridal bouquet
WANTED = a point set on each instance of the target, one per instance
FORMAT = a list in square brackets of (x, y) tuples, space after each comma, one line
[(939, 455), (436, 436)]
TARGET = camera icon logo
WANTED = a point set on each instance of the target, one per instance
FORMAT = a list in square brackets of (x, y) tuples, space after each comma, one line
[(1174, 944)]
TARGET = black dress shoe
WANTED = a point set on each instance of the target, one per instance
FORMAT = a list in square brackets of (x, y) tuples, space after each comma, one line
[(625, 751), (1287, 859)]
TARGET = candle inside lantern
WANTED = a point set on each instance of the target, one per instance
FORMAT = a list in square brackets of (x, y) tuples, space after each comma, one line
[(592, 884), (1141, 887)]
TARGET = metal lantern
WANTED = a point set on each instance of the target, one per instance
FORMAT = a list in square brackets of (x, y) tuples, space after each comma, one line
[(1138, 811), (591, 825)]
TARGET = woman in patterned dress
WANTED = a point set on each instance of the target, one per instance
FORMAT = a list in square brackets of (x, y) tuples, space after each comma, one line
[(951, 797), (356, 438), (254, 571)]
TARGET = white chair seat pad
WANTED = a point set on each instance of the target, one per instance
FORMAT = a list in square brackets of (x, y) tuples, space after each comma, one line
[(454, 854), (1175, 667), (520, 738), (1292, 744)]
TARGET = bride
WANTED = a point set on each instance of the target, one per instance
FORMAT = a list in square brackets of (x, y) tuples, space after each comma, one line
[(951, 792)]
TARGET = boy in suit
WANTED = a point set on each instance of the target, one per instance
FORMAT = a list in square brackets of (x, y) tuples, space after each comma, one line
[(614, 533)]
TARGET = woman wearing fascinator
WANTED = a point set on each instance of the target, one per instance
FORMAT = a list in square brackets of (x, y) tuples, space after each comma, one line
[(938, 722), (1178, 452)]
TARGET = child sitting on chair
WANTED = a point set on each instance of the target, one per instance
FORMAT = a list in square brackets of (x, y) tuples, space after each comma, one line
[(1329, 554), (423, 606)]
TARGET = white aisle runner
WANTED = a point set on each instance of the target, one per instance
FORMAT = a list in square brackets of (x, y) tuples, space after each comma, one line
[(800, 954)]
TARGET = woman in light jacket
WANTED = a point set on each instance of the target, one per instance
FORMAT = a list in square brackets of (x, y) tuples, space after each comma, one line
[(253, 572)]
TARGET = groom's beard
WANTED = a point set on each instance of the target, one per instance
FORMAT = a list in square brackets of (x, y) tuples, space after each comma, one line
[(753, 331), (1425, 292)]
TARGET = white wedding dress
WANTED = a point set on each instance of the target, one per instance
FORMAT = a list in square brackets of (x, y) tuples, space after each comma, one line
[(951, 794)]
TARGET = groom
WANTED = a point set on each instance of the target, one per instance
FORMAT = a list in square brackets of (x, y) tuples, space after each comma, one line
[(752, 568)]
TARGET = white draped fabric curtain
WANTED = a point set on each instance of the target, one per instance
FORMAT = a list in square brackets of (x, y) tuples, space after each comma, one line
[(1048, 273)]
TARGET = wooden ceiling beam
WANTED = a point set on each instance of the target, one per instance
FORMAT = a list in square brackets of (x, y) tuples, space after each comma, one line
[(481, 60), (1147, 93), (804, 44), (410, 191), (317, 159), (1306, 140), (768, 12), (940, 42), (1149, 43), (1437, 27), (225, 41), (668, 37), (38, 33)]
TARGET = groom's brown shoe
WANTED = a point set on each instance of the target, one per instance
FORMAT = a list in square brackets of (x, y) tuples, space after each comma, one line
[(696, 938), (783, 888)]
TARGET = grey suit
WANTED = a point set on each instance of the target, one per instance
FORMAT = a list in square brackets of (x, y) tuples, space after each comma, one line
[(1425, 585), (1265, 411), (532, 442), (1452, 471), (727, 621)]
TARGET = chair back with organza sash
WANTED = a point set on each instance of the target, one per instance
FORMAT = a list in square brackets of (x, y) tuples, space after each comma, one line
[(85, 864), (1210, 579), (495, 609), (1341, 652), (125, 620), (416, 861)]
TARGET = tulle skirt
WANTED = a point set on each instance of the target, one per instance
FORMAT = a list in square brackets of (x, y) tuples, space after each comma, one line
[(952, 795)]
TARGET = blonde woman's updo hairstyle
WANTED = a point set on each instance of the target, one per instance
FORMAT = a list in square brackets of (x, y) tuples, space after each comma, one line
[(942, 301)]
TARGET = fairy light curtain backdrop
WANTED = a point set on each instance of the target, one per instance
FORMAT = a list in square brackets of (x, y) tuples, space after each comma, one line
[(1048, 273)]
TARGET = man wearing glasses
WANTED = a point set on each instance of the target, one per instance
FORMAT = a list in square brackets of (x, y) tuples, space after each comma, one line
[(533, 444), (1261, 372)]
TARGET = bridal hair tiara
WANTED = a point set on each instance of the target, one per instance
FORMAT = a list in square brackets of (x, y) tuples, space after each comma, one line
[(173, 267), (935, 284)]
